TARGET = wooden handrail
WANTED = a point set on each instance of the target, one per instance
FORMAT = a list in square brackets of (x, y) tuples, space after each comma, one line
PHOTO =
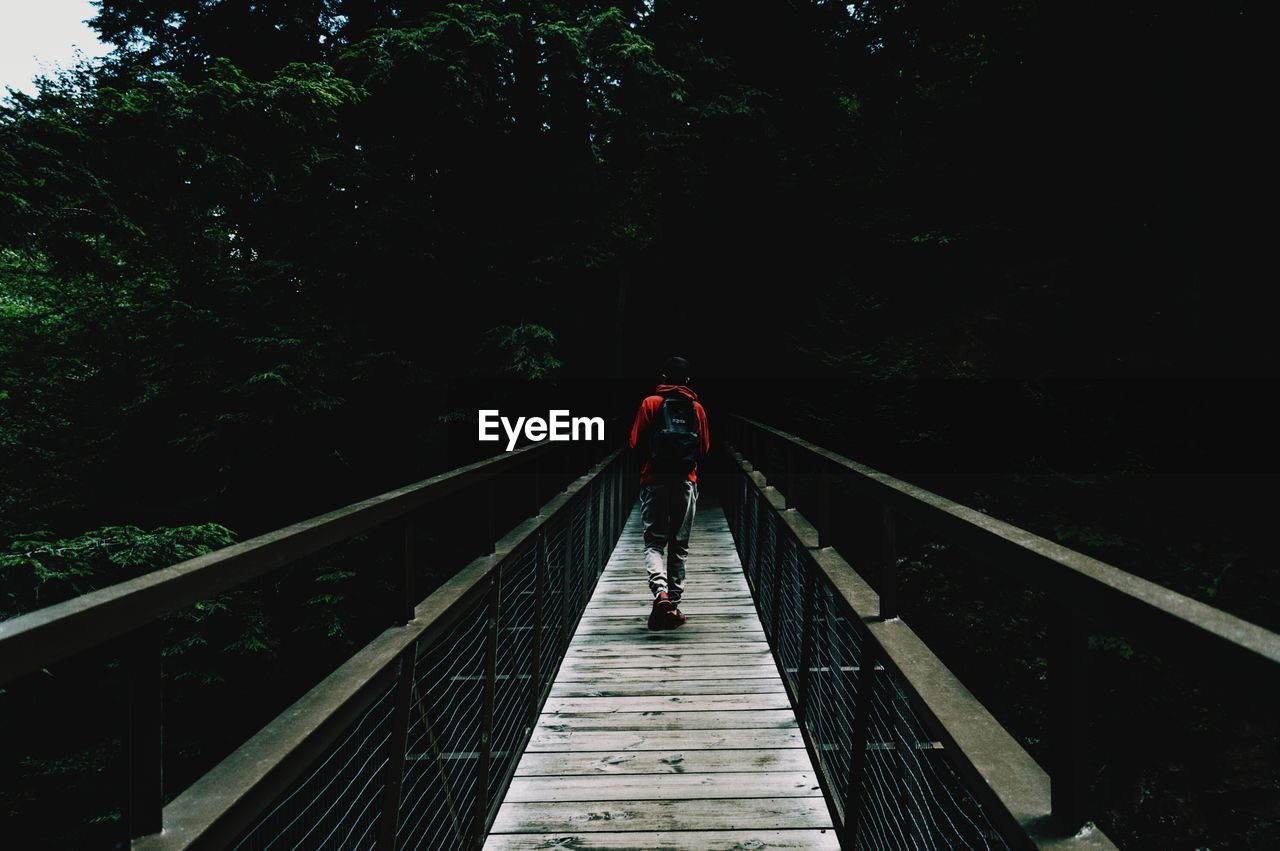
[(215, 809), (1014, 791), (1102, 591), (36, 639)]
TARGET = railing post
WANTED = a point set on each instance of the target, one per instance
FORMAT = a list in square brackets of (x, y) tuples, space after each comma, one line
[(588, 505), (779, 539), (889, 568), (755, 559), (600, 536), (486, 720), (389, 824), (619, 499), (566, 557), (408, 582), (144, 731), (806, 640), (611, 488), (1068, 719), (858, 740), (535, 651), (824, 508)]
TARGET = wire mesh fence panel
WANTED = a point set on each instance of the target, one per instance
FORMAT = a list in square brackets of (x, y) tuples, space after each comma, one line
[(337, 804), (419, 742), (842, 649), (830, 699), (766, 551), (906, 794), (737, 498), (611, 508), (912, 798), (576, 566), (513, 670), (340, 801), (438, 795), (589, 535), (554, 606), (789, 579)]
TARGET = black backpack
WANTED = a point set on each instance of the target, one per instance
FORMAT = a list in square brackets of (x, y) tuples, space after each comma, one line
[(673, 447)]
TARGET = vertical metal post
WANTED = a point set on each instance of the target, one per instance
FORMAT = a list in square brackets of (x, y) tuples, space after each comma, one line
[(588, 504), (889, 568), (566, 558), (806, 640), (485, 756), (396, 744), (602, 522), (600, 537), (610, 500), (858, 740), (144, 731), (824, 508), (535, 652), (761, 529), (1068, 718), (779, 541), (620, 515), (408, 581)]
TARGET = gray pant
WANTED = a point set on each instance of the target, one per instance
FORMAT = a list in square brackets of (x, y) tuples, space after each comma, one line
[(667, 508)]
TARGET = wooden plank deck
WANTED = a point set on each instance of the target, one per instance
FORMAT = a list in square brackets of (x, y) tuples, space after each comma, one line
[(679, 739)]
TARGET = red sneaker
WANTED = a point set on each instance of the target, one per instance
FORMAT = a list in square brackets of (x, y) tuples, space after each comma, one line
[(661, 611), (675, 618)]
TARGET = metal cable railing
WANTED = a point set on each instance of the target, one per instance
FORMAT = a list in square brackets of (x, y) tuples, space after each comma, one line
[(889, 780), (335, 805), (412, 741), (443, 739), (919, 762), (469, 694)]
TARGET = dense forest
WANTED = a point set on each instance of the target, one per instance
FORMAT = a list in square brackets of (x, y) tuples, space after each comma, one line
[(252, 263)]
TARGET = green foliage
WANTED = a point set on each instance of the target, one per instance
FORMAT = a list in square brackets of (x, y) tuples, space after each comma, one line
[(38, 569), (526, 351), (240, 258)]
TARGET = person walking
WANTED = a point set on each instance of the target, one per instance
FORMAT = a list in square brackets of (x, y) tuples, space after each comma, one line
[(671, 426)]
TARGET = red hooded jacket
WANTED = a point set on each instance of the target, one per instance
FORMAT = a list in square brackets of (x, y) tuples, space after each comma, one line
[(644, 419)]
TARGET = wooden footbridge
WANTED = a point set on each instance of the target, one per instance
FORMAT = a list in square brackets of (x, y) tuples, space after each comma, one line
[(523, 704), (672, 739)]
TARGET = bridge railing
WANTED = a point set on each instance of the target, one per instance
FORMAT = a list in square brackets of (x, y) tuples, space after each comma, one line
[(909, 757), (410, 743)]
